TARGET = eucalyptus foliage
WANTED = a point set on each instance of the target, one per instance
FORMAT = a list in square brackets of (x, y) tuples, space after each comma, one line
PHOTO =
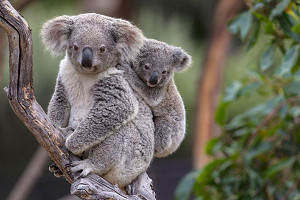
[(257, 155)]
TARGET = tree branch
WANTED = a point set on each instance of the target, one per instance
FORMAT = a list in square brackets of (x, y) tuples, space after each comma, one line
[(23, 102)]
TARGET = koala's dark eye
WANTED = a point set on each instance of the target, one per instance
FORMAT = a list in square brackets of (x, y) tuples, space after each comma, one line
[(164, 72), (75, 47), (146, 66), (102, 49)]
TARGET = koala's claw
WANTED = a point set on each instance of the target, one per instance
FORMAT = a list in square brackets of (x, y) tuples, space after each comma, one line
[(81, 166), (53, 168), (67, 131), (58, 174), (70, 164)]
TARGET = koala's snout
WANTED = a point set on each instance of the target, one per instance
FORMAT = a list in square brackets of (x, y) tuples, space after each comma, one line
[(87, 57), (154, 78)]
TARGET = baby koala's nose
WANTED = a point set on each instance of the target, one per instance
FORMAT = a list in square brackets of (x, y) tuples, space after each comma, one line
[(154, 78), (87, 57)]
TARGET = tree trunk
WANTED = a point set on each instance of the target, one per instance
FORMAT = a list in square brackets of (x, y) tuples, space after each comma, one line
[(23, 102), (211, 79)]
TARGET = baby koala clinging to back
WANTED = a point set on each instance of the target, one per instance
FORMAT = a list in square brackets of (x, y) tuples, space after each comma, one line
[(152, 76)]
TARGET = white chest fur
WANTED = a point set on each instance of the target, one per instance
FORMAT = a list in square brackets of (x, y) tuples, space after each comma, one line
[(78, 88)]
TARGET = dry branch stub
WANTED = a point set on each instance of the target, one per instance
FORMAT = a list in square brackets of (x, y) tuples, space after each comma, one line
[(23, 102)]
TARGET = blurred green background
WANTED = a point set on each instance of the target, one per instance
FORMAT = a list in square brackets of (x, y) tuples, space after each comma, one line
[(184, 23)]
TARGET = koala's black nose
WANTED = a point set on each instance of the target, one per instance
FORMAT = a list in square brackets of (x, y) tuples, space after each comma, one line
[(154, 78), (87, 57)]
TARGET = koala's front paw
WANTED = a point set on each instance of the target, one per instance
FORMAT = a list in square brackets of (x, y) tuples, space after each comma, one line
[(83, 167)]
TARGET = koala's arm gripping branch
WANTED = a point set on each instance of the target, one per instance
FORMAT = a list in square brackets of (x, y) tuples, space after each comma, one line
[(23, 102)]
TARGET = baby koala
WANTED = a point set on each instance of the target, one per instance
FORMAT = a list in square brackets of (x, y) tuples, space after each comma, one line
[(113, 126), (151, 74)]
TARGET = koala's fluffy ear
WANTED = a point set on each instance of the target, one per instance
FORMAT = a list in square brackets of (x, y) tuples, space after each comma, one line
[(181, 59), (129, 40), (55, 34)]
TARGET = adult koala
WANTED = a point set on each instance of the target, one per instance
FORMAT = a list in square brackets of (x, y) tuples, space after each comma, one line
[(113, 127)]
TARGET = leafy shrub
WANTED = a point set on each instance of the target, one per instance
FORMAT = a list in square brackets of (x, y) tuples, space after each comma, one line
[(257, 154)]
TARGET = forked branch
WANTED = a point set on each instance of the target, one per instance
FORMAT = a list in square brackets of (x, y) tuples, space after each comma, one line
[(23, 102)]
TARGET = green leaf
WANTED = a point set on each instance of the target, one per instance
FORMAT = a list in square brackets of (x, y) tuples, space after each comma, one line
[(296, 28), (257, 150), (288, 28), (267, 58), (241, 24), (212, 146), (293, 88), (253, 115), (262, 17), (248, 89), (185, 187), (233, 150), (231, 92), (279, 8), (206, 173), (254, 37), (275, 168), (258, 5), (259, 110), (289, 60), (221, 112)]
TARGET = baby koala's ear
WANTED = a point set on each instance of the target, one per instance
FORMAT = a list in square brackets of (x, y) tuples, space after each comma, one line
[(129, 40), (181, 59), (55, 34)]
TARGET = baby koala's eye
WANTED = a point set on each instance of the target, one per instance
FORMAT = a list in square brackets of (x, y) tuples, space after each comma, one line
[(146, 66), (164, 72), (75, 47), (102, 49)]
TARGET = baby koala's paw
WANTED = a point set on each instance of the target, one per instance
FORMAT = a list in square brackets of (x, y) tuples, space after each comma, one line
[(167, 142), (83, 167), (162, 146)]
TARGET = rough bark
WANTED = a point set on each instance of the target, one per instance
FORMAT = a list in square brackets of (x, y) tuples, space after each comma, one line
[(23, 102), (211, 79)]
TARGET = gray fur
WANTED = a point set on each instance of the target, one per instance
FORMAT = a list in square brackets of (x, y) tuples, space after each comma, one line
[(113, 127), (163, 98), (59, 107)]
